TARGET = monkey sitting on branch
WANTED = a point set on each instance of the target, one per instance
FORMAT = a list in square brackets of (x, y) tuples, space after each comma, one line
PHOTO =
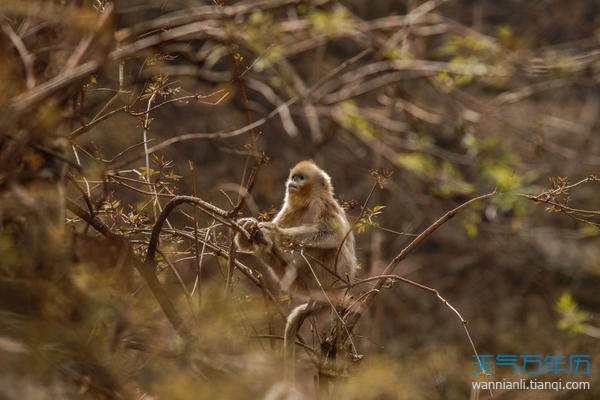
[(308, 250), (310, 240)]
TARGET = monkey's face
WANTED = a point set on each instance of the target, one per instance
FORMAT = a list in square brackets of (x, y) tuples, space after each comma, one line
[(298, 182), (306, 180)]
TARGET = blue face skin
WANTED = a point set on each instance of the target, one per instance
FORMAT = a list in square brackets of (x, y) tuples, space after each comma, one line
[(296, 182)]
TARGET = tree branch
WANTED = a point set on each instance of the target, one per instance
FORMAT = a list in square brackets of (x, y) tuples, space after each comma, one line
[(146, 270)]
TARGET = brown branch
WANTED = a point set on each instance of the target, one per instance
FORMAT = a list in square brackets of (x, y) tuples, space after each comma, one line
[(245, 191), (85, 43), (117, 179), (250, 127), (145, 269), (353, 225), (230, 265), (86, 127), (113, 159), (591, 178), (548, 197), (26, 100), (213, 211), (433, 292), (353, 318), (268, 287), (427, 232), (25, 55), (204, 13), (299, 343), (217, 214), (198, 97), (562, 207), (32, 97), (217, 135)]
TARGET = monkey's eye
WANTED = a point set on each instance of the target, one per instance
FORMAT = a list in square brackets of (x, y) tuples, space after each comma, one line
[(298, 177)]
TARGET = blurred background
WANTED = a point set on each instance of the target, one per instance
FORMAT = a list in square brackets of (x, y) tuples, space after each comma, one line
[(117, 106)]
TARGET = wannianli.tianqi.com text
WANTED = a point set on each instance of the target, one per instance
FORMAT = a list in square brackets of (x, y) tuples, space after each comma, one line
[(531, 384)]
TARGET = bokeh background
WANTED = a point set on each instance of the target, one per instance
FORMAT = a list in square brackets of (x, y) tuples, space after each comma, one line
[(446, 99)]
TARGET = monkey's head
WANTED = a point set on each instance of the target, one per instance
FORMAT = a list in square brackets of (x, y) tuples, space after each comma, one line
[(307, 180)]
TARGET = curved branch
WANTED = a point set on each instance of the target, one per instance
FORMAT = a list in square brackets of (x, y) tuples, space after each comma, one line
[(218, 214), (260, 281), (214, 211), (413, 245), (427, 232), (352, 318)]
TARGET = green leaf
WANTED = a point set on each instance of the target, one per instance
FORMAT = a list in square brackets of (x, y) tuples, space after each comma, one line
[(572, 318)]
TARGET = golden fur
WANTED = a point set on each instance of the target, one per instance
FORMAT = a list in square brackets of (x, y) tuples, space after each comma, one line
[(311, 221)]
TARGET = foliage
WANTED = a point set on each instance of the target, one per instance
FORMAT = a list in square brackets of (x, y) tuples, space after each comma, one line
[(133, 137)]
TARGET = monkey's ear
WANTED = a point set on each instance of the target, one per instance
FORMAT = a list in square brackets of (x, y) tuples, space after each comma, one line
[(325, 179)]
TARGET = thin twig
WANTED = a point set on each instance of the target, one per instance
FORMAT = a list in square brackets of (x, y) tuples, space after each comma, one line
[(86, 42), (342, 322), (353, 225), (146, 270), (353, 318), (27, 58)]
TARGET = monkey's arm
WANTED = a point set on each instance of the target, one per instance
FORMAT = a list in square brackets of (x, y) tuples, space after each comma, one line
[(322, 235), (261, 243)]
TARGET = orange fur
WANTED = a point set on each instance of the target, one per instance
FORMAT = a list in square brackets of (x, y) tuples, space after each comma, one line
[(313, 204), (312, 219)]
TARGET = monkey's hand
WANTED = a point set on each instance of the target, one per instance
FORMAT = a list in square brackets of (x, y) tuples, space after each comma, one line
[(251, 226), (269, 228), (286, 238), (261, 235)]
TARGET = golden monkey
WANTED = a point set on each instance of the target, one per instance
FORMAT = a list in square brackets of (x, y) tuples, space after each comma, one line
[(302, 243), (310, 221)]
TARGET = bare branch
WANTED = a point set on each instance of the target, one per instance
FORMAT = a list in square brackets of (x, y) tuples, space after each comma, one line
[(25, 55), (146, 270)]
